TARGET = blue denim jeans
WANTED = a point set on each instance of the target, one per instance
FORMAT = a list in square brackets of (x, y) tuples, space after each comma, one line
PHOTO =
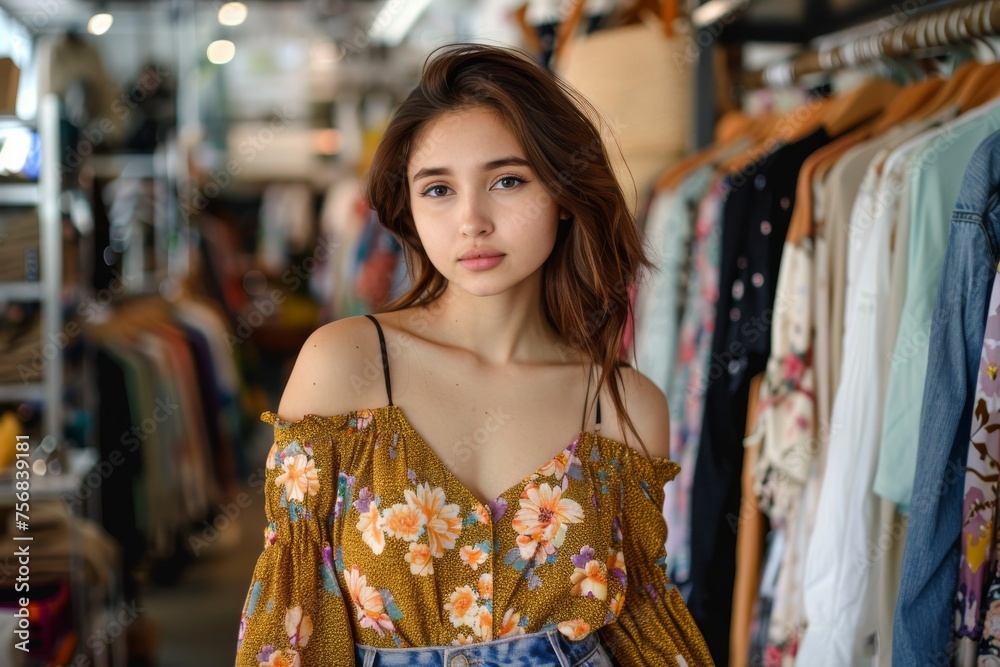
[(548, 648), (922, 627)]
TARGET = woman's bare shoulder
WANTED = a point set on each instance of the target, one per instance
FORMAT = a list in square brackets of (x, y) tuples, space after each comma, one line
[(646, 404), (328, 377)]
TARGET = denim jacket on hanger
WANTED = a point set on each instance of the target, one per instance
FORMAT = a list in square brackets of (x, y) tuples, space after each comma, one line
[(922, 628)]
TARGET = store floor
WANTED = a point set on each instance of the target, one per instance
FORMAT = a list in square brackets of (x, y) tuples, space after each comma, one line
[(198, 617)]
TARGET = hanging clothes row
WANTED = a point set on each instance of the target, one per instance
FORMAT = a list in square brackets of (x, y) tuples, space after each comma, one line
[(809, 249), (168, 420), (364, 267)]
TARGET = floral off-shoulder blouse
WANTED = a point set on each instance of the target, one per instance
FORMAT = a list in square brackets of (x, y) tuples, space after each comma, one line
[(372, 540)]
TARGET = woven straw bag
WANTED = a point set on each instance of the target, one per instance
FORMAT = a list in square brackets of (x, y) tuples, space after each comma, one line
[(641, 78)]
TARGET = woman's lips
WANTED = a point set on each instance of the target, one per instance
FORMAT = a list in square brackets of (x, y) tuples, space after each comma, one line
[(481, 263)]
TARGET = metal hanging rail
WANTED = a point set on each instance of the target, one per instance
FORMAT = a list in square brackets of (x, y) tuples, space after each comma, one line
[(941, 28)]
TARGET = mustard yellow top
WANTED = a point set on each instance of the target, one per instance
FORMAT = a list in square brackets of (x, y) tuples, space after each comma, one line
[(372, 540)]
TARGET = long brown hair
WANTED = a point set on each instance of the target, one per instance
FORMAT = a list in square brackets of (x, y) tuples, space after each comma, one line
[(598, 252)]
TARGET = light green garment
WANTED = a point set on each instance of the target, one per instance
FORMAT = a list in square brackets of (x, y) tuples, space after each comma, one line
[(934, 175)]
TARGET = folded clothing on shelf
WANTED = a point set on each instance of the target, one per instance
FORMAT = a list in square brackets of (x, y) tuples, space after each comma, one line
[(19, 245), (20, 344), (55, 533)]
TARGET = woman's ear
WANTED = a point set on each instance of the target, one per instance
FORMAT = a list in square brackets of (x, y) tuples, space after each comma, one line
[(565, 215)]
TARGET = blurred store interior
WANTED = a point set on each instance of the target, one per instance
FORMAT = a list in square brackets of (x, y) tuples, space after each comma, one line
[(180, 208)]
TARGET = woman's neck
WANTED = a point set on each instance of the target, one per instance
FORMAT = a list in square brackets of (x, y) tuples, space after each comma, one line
[(500, 329)]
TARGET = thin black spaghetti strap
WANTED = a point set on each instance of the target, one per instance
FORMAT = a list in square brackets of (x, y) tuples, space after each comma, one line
[(583, 426), (597, 427), (385, 358)]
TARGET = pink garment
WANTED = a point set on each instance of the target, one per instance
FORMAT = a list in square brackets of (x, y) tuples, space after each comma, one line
[(978, 563), (686, 393)]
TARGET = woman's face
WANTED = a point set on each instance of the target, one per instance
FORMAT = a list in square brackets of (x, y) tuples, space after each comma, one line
[(471, 189)]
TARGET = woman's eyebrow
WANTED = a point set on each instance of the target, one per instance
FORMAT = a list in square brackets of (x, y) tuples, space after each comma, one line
[(510, 161)]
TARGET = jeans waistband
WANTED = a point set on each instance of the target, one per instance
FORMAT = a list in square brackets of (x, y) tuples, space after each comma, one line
[(546, 648)]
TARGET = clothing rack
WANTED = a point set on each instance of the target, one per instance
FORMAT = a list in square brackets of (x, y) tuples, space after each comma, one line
[(945, 27)]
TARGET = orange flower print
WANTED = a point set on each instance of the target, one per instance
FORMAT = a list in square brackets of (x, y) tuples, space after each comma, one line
[(485, 586), (370, 525), (462, 608), (269, 464), (371, 611), (482, 514), (575, 629), (472, 556), (590, 581), (404, 521), (443, 522), (556, 466), (298, 626), (484, 624), (299, 478), (462, 640), (368, 603), (271, 658), (615, 604), (541, 521), (355, 582), (510, 626), (420, 559)]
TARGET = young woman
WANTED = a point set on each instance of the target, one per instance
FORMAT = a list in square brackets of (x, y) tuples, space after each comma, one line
[(406, 525)]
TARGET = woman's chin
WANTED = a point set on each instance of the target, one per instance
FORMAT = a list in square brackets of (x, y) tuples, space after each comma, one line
[(482, 286)]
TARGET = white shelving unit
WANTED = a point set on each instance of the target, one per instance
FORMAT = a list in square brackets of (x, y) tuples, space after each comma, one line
[(77, 463), (45, 196), (34, 391), (49, 187), (19, 194)]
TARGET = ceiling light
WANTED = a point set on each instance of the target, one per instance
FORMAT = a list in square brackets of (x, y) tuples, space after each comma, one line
[(100, 23), (714, 11), (221, 52), (395, 20), (232, 13)]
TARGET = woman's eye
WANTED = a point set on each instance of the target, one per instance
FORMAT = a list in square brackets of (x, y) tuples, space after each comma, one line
[(510, 181), (439, 190)]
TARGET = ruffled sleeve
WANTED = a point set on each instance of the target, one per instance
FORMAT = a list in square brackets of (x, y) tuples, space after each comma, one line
[(295, 611), (654, 627)]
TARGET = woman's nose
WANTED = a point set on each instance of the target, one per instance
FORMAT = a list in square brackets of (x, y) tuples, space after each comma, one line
[(476, 218)]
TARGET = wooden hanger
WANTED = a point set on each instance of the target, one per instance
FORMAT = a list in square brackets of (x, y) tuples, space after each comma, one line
[(675, 173), (988, 91), (907, 102), (565, 30), (756, 134), (528, 32), (858, 105), (733, 126), (946, 95), (667, 10), (784, 128), (981, 82)]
